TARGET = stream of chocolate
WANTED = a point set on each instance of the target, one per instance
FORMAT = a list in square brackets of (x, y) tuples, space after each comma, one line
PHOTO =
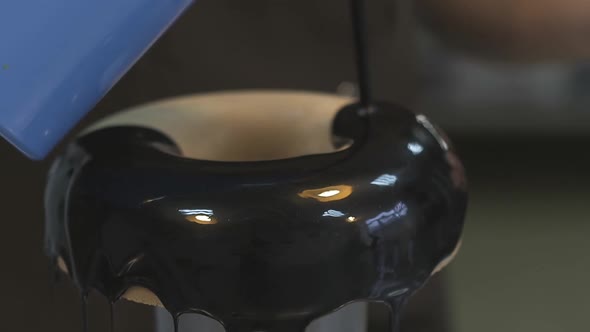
[(259, 246)]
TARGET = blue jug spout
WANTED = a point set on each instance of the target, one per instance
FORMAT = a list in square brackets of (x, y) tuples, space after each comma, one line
[(59, 58)]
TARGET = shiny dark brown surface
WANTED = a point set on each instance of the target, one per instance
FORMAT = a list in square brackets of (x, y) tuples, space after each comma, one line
[(264, 245)]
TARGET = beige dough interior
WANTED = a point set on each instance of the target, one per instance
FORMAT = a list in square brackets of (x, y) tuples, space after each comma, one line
[(241, 126), (236, 126)]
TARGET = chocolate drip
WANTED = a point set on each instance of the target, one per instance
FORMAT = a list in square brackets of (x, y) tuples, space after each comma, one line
[(175, 321), (396, 306), (84, 308), (112, 316)]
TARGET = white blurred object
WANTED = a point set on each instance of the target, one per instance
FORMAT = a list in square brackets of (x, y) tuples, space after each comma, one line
[(347, 89), (352, 318)]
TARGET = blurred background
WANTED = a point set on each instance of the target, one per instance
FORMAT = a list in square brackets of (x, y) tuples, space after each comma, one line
[(509, 82)]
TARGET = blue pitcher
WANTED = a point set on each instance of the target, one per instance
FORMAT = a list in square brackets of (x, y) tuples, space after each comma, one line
[(58, 58)]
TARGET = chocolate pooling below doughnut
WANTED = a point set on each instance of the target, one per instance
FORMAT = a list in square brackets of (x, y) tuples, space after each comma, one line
[(259, 245)]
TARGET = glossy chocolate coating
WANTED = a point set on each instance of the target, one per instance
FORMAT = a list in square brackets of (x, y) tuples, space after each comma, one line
[(260, 246)]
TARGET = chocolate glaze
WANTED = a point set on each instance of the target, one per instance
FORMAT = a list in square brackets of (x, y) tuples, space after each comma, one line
[(259, 246)]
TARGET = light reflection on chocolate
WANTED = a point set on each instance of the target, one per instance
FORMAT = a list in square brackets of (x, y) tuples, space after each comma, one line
[(327, 194)]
